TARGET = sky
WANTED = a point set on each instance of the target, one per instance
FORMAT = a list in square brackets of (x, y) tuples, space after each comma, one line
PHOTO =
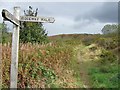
[(70, 17)]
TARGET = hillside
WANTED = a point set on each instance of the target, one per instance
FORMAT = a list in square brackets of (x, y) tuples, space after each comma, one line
[(67, 61)]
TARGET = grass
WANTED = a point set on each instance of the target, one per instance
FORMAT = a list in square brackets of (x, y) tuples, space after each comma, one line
[(61, 63), (105, 73), (98, 67), (104, 80)]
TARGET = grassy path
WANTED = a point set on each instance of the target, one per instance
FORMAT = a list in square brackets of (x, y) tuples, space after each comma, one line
[(86, 60), (84, 71)]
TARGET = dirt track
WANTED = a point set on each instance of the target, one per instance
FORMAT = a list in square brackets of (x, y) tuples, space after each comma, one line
[(84, 66), (86, 60)]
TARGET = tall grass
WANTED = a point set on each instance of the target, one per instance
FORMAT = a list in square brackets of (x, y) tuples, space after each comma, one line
[(40, 65)]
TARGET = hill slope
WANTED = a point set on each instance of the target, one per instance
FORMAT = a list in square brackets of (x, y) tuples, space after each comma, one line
[(68, 61)]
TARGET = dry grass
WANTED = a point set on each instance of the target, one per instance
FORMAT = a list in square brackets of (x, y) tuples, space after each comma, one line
[(52, 56)]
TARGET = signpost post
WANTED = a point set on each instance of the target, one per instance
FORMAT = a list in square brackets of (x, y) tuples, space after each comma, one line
[(15, 44), (15, 49), (16, 19)]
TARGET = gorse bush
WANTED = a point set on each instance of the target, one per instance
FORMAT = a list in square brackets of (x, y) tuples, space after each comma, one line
[(107, 43), (88, 40), (107, 57)]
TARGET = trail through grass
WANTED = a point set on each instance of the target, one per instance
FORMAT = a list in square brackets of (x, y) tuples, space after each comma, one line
[(92, 73), (84, 71), (84, 63)]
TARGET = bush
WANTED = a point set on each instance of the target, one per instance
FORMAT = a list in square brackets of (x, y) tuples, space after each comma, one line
[(33, 34), (107, 43), (107, 57), (88, 40)]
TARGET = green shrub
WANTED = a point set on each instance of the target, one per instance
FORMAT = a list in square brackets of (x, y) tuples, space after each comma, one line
[(88, 40), (107, 42), (47, 73), (107, 57)]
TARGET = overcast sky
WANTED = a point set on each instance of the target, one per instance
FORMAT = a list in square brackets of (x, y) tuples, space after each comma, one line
[(71, 17)]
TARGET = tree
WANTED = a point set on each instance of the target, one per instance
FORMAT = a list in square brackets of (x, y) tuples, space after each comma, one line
[(110, 29), (33, 32), (113, 33), (5, 36)]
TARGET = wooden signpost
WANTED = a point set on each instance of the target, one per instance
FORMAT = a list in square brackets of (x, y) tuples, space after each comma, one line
[(15, 44), (16, 19)]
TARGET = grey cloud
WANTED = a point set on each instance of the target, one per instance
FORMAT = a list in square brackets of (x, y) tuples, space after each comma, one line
[(85, 14), (106, 13), (81, 24)]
